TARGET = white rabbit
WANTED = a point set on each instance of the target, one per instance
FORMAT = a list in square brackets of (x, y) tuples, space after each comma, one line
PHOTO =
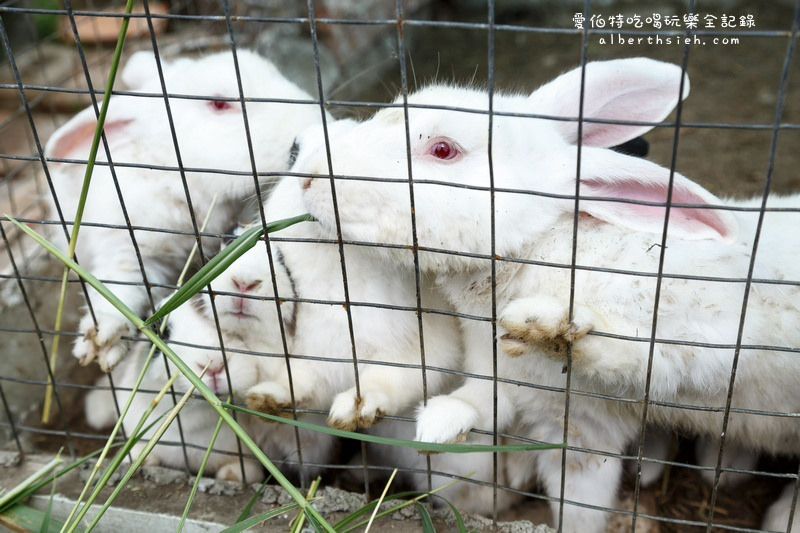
[(535, 164), (245, 303), (192, 335), (320, 329), (211, 135)]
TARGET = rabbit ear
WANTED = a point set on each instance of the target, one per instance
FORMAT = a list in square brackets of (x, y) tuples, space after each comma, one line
[(140, 68), (608, 176), (75, 137), (636, 89)]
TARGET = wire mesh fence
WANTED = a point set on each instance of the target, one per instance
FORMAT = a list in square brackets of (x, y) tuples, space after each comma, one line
[(202, 139)]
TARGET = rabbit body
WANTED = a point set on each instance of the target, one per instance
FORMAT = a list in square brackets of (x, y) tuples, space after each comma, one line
[(534, 168), (696, 311), (317, 327), (192, 335), (210, 134), (320, 329)]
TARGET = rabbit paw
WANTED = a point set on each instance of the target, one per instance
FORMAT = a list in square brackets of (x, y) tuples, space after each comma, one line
[(542, 322), (233, 472), (270, 397), (349, 411), (153, 458), (445, 420), (102, 342)]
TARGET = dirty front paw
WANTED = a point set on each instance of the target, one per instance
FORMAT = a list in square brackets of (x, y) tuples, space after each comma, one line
[(541, 323), (350, 412), (104, 341), (269, 397)]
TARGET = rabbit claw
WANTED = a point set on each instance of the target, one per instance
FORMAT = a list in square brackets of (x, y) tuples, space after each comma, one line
[(269, 397), (350, 412), (102, 342), (543, 323)]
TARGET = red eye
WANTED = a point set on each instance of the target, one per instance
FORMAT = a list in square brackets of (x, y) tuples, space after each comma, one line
[(444, 150), (220, 105)]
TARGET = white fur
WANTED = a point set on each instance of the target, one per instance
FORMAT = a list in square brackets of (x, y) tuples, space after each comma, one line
[(189, 326), (138, 132), (539, 155), (320, 329)]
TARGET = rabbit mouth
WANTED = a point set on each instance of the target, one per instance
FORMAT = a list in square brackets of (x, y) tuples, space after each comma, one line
[(241, 315)]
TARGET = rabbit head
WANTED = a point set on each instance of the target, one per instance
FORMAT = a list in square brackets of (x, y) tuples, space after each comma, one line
[(207, 115), (193, 336), (245, 299), (534, 164)]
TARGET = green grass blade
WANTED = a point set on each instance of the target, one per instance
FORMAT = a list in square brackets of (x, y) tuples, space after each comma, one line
[(210, 270), (87, 178), (24, 518), (13, 495), (380, 500), (95, 283), (427, 523), (47, 514), (300, 520), (137, 435), (35, 487), (347, 520), (199, 474), (313, 515), (151, 443), (220, 262), (48, 391), (250, 522), (101, 118), (418, 445), (462, 528), (112, 436), (361, 513), (249, 507)]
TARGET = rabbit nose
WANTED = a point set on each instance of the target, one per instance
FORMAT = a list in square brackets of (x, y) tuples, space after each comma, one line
[(245, 286)]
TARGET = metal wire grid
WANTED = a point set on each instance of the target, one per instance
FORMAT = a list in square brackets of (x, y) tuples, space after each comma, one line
[(28, 162)]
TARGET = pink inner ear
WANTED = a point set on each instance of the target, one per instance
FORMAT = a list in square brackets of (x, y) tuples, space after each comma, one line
[(82, 135), (685, 217)]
